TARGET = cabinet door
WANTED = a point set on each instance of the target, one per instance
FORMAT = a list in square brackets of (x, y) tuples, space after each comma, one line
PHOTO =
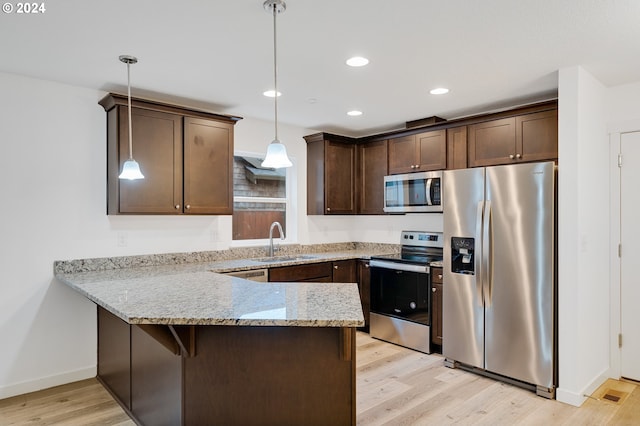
[(372, 168), (537, 136), (436, 306), (364, 285), (157, 147), (492, 142), (457, 148), (344, 271), (340, 168), (431, 151), (402, 155), (208, 165)]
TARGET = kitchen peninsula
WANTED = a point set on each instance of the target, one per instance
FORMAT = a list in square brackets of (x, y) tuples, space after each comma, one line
[(181, 344)]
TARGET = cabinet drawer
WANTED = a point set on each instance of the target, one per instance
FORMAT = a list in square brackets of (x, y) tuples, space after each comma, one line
[(436, 275), (308, 272)]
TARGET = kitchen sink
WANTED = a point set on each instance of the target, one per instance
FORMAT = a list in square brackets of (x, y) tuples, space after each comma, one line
[(276, 259)]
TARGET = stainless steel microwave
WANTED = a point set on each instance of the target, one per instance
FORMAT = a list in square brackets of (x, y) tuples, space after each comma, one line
[(413, 192)]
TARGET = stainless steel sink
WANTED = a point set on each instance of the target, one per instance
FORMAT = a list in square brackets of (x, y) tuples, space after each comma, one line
[(277, 259)]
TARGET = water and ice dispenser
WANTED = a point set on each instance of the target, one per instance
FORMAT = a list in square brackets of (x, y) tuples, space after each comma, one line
[(462, 255)]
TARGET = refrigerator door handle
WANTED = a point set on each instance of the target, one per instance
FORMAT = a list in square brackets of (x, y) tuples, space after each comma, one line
[(479, 272), (487, 272)]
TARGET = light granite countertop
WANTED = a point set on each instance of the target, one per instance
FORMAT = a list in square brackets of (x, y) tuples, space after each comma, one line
[(198, 294)]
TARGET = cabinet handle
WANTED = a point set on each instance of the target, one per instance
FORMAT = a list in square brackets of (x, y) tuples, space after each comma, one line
[(328, 209), (433, 289), (188, 206), (518, 156), (511, 156), (177, 206), (440, 276), (335, 266), (413, 167), (366, 265), (417, 166)]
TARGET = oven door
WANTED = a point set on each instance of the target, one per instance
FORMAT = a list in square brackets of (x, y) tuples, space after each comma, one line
[(400, 290), (400, 304)]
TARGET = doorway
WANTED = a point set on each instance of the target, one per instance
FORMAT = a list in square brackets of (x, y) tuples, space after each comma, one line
[(629, 255)]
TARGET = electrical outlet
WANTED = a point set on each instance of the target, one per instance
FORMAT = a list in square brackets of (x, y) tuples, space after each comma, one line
[(122, 239)]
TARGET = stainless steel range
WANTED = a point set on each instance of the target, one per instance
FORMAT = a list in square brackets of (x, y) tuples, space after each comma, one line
[(400, 293)]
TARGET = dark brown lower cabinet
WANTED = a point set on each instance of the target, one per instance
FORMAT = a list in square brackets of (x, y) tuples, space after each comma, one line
[(436, 309), (230, 375), (364, 285)]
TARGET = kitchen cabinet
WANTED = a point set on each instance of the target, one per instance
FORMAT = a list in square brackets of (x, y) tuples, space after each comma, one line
[(364, 286), (185, 155), (457, 148), (331, 174), (372, 168), (318, 272), (436, 307), (528, 137), (207, 374), (418, 153), (343, 271)]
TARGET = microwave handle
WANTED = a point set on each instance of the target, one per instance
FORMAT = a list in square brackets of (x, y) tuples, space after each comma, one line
[(429, 203)]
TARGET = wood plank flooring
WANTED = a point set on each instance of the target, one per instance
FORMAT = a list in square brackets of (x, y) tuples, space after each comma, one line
[(395, 386)]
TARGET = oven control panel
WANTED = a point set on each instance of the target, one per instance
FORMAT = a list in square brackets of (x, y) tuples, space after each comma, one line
[(422, 239)]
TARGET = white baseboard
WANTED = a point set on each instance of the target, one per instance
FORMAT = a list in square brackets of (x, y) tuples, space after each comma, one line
[(47, 382), (578, 398)]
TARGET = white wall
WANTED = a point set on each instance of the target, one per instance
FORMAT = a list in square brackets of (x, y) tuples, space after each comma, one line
[(583, 243), (53, 174)]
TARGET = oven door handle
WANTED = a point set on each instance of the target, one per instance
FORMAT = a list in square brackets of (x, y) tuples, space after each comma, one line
[(421, 269)]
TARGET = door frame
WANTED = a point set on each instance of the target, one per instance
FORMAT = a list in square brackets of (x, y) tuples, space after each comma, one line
[(615, 141)]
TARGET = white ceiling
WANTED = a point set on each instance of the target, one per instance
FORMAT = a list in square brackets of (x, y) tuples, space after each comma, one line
[(217, 54)]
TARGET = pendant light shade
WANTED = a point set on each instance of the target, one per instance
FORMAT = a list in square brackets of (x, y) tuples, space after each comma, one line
[(130, 168), (276, 157)]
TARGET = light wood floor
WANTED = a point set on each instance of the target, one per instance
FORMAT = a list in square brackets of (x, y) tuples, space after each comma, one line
[(395, 386)]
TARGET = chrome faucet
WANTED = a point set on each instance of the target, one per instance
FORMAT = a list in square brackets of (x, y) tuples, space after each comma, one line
[(273, 225)]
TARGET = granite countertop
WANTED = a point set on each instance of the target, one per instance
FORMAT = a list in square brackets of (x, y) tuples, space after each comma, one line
[(197, 294)]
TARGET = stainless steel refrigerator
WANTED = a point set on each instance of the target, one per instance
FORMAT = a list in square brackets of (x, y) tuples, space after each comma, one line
[(499, 280)]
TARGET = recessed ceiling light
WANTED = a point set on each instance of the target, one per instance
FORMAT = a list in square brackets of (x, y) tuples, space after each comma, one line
[(271, 93), (357, 61), (354, 113), (439, 91)]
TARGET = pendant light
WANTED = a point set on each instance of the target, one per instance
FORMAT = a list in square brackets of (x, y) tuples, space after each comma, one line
[(130, 168), (276, 157)]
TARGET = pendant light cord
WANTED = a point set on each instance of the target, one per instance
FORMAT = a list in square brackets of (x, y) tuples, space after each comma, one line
[(129, 98), (275, 72)]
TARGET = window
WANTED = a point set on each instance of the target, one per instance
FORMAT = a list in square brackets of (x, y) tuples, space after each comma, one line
[(259, 198)]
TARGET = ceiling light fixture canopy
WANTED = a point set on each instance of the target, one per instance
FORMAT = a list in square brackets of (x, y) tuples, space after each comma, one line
[(130, 168), (276, 157)]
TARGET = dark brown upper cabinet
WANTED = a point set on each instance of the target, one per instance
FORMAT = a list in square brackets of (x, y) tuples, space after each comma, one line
[(331, 174), (418, 153), (457, 148), (523, 138), (185, 155), (372, 168)]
